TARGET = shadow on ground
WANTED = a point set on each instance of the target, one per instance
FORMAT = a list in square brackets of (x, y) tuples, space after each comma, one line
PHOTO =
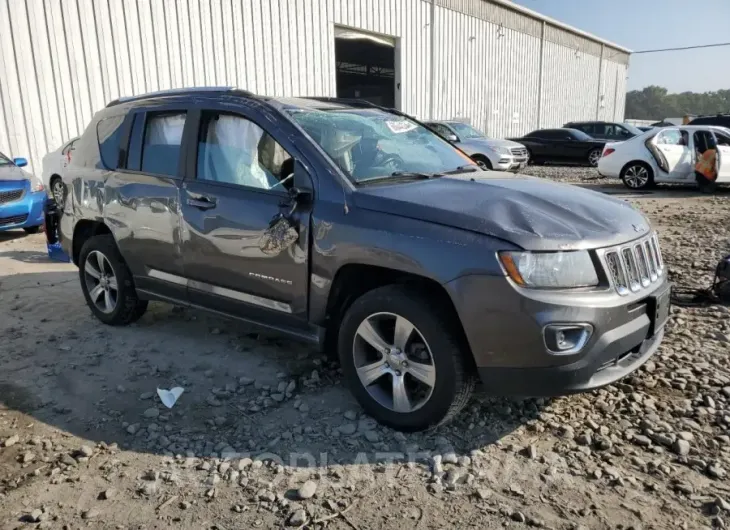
[(65, 369)]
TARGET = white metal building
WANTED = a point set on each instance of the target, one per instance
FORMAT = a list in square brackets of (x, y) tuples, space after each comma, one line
[(504, 68)]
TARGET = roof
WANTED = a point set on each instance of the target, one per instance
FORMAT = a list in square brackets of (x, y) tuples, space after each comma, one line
[(534, 14)]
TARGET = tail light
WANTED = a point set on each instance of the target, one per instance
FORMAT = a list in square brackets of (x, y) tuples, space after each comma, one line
[(608, 151)]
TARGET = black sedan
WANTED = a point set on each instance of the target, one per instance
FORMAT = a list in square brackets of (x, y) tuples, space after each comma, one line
[(562, 145)]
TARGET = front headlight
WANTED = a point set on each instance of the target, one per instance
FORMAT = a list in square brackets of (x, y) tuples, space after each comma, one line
[(550, 269), (503, 151), (36, 185)]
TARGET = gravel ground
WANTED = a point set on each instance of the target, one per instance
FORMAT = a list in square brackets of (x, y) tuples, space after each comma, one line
[(266, 436)]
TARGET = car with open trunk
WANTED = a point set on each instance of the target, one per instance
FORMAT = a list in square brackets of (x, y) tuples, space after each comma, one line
[(359, 230)]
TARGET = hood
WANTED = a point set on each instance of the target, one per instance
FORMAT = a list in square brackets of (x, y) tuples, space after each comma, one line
[(532, 213), (13, 173), (491, 142)]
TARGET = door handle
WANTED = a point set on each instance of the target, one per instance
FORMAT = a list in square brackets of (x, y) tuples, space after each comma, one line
[(201, 202)]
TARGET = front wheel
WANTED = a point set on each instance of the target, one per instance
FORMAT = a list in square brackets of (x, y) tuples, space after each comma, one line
[(107, 283), (637, 176), (58, 190), (594, 155), (483, 162), (402, 361)]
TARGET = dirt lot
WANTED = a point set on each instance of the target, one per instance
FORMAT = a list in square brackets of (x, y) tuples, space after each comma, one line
[(265, 435)]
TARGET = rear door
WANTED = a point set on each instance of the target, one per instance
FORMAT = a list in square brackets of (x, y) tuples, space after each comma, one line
[(238, 176), (674, 155), (143, 198), (723, 155)]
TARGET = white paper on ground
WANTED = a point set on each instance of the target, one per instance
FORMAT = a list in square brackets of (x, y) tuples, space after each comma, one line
[(169, 397)]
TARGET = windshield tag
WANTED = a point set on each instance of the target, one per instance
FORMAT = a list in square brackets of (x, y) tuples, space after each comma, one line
[(400, 126)]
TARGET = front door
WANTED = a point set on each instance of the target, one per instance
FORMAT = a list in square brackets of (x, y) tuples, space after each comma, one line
[(675, 154), (237, 182), (722, 141)]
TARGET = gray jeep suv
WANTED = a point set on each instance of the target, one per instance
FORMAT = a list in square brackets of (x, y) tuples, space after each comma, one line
[(357, 229)]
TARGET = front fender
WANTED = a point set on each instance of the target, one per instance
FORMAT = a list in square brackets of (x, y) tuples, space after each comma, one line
[(412, 246)]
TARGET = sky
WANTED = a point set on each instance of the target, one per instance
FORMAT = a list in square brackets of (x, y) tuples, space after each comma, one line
[(651, 24)]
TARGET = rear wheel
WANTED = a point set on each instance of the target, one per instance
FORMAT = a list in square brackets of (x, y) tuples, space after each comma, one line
[(57, 190), (107, 283), (637, 176), (594, 155), (483, 162), (402, 361)]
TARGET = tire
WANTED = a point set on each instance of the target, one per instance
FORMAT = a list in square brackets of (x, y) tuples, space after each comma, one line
[(432, 340), (631, 176), (126, 307), (58, 190), (32, 229), (594, 155), (483, 162)]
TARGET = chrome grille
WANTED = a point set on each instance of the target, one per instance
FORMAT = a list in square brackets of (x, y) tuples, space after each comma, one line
[(10, 196), (634, 266), (519, 152)]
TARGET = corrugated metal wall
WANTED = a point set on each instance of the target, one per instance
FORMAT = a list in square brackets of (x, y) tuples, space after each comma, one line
[(62, 60)]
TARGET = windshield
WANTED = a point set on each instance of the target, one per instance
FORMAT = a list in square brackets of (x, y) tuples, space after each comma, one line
[(4, 161), (633, 130), (371, 143), (465, 131)]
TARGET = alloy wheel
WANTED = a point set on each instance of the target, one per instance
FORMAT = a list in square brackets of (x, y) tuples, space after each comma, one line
[(101, 282), (394, 362), (57, 191), (636, 176), (593, 157)]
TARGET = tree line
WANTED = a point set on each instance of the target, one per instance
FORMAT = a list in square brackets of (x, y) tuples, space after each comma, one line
[(656, 103)]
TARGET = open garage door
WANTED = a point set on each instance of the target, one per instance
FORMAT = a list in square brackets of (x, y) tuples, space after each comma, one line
[(366, 66)]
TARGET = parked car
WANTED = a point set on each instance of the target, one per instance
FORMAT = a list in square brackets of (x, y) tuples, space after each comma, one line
[(54, 165), (356, 228), (488, 153), (719, 120), (22, 197), (668, 154), (605, 130), (561, 145)]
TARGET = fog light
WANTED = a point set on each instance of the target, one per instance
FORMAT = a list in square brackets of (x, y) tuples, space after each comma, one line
[(564, 339)]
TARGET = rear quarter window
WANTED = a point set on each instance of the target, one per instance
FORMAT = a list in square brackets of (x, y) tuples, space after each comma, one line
[(108, 132)]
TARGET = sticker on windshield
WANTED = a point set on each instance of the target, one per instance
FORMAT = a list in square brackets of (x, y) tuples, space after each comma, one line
[(400, 126)]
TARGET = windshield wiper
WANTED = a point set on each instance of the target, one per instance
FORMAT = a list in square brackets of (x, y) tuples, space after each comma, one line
[(400, 175), (471, 168)]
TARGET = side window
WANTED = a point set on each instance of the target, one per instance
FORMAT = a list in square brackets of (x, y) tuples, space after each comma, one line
[(441, 129), (162, 141), (108, 131), (670, 137), (722, 139), (590, 128), (234, 150)]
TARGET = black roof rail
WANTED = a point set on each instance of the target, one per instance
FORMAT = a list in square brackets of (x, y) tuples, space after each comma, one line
[(181, 92), (362, 103)]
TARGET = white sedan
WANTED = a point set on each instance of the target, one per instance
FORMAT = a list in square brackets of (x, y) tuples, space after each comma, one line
[(667, 154), (54, 164)]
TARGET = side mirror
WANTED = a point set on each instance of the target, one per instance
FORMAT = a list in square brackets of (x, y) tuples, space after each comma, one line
[(20, 162), (300, 195), (302, 190), (452, 138)]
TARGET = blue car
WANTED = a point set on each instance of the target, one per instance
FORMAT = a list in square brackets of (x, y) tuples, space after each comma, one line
[(22, 197)]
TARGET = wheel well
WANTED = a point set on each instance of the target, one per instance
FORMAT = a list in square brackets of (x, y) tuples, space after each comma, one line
[(637, 162), (83, 231), (354, 280)]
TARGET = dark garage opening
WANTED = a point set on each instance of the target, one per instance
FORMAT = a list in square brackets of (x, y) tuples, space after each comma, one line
[(365, 68)]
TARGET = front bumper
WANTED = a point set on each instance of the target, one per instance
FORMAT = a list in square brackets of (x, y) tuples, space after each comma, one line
[(26, 212), (510, 163), (505, 330)]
